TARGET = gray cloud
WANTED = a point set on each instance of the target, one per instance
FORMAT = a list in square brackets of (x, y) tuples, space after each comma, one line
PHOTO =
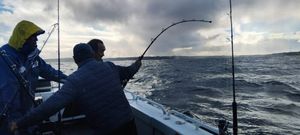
[(145, 19), (127, 26), (92, 11)]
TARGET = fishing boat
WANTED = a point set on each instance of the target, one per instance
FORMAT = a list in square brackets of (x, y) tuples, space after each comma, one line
[(151, 118)]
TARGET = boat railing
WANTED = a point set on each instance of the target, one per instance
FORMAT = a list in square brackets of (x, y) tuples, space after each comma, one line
[(195, 122), (160, 106), (167, 112)]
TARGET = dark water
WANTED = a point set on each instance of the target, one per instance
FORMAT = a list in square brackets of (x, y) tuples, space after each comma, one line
[(267, 89)]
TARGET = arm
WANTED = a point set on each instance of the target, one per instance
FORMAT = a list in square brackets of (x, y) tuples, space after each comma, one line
[(56, 102), (127, 73), (48, 72)]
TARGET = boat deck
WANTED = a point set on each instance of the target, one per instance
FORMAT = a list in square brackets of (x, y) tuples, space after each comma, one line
[(151, 119)]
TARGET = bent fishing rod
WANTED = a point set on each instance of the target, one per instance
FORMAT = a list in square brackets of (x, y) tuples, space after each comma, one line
[(234, 106), (124, 83), (165, 29)]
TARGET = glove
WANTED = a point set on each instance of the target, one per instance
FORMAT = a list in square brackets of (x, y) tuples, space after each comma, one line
[(62, 80), (138, 63), (13, 127)]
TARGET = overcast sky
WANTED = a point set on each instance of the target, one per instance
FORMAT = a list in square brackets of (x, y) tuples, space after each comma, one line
[(127, 26)]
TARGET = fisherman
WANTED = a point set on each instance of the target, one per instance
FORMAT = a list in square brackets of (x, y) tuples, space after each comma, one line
[(96, 90), (98, 48), (125, 72), (20, 68)]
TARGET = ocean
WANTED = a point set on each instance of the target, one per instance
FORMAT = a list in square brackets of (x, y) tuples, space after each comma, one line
[(267, 89)]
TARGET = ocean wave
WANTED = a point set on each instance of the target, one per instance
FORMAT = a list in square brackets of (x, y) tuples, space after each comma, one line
[(244, 83), (275, 83), (265, 86), (206, 91), (280, 89), (282, 109), (294, 97)]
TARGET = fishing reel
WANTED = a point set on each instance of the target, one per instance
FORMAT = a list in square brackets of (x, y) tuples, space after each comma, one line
[(38, 100), (2, 118), (223, 127)]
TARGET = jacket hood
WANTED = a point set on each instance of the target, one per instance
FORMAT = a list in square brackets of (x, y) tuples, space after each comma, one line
[(22, 32)]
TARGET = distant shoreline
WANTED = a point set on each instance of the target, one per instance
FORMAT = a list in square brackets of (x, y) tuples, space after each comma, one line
[(172, 57)]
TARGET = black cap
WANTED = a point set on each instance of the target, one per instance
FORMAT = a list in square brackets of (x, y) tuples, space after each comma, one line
[(81, 52)]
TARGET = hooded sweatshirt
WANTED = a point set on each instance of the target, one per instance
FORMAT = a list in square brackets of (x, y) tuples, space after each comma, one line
[(22, 32)]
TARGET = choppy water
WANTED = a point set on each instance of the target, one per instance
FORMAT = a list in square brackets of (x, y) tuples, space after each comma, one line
[(267, 88)]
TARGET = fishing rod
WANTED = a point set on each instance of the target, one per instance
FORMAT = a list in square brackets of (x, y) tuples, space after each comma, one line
[(124, 83), (50, 33), (165, 29), (234, 106), (59, 123), (58, 43)]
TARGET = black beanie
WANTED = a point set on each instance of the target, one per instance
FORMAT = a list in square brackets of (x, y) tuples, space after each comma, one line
[(82, 52)]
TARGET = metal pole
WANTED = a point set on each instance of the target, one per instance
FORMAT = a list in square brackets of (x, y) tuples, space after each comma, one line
[(58, 60), (234, 106), (58, 42)]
